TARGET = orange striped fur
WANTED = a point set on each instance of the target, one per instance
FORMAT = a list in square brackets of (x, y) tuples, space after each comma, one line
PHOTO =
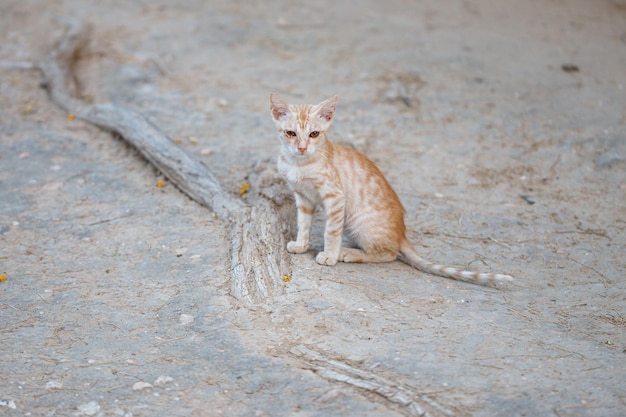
[(357, 199)]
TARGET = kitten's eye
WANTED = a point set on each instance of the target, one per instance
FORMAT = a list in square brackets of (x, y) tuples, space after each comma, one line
[(290, 133), (314, 134)]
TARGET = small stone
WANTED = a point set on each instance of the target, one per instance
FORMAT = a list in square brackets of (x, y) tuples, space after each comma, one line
[(206, 151), (54, 385), (163, 380), (570, 68), (186, 319), (138, 386), (89, 409), (8, 403)]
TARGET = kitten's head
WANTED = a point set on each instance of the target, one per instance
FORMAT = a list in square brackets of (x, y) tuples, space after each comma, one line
[(302, 127)]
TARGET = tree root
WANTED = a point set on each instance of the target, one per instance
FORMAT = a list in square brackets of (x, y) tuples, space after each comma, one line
[(258, 257), (415, 404)]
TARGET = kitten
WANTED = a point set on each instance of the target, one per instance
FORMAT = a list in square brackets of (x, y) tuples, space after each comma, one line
[(356, 197)]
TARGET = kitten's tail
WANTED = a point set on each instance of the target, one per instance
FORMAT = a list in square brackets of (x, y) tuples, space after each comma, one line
[(410, 256)]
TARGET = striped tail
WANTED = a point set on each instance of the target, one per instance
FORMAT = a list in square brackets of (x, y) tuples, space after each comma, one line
[(410, 256)]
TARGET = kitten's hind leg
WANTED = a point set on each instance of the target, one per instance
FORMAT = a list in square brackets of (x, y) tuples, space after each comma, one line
[(360, 256)]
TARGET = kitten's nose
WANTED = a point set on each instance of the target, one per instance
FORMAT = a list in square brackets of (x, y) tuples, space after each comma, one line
[(302, 150)]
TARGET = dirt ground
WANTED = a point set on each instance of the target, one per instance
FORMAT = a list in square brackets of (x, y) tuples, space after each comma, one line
[(502, 125)]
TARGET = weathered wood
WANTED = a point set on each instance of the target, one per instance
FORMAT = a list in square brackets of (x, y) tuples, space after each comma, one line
[(413, 402), (258, 258)]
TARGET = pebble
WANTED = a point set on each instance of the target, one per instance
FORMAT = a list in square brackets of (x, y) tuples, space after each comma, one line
[(138, 386), (163, 380), (54, 385), (186, 319), (8, 403), (89, 409)]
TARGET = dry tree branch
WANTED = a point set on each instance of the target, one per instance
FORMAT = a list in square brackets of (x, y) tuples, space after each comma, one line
[(258, 257)]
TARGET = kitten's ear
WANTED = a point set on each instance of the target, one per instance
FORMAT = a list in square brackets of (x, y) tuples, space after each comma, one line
[(326, 109), (278, 106)]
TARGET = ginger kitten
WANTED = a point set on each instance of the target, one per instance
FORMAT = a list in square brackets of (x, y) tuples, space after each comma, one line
[(356, 197)]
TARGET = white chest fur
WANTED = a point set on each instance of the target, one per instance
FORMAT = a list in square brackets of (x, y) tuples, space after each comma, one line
[(299, 178)]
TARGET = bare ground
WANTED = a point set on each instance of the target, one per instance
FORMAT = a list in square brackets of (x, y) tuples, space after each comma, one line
[(501, 125)]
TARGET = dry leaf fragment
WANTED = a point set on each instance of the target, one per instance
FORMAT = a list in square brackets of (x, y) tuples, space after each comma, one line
[(244, 189)]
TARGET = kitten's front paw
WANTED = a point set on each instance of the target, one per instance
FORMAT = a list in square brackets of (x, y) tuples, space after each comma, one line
[(295, 247), (323, 258)]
